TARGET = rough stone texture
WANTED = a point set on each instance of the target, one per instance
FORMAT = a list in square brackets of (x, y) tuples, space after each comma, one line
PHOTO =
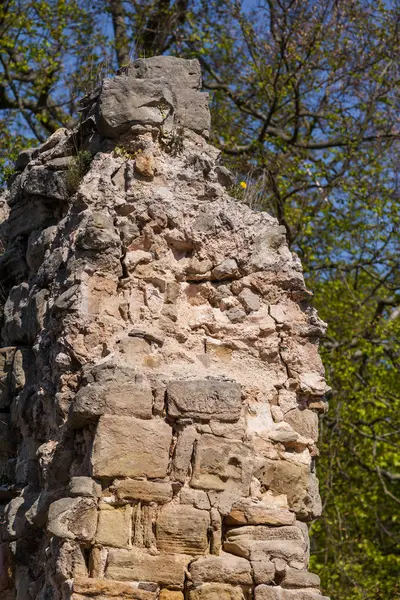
[(138, 565), (159, 369), (204, 399), (125, 446), (182, 529)]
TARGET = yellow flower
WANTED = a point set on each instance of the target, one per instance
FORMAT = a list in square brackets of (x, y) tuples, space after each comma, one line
[(243, 184)]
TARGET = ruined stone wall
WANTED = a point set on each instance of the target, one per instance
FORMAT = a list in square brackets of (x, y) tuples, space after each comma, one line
[(160, 376)]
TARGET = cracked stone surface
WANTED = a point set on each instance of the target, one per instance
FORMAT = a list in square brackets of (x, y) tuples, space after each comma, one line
[(160, 375)]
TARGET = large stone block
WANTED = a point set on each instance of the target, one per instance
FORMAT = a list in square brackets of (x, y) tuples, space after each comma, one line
[(129, 398), (262, 533), (257, 551), (179, 71), (266, 592), (182, 529), (73, 518), (295, 578), (257, 512), (302, 595), (216, 591), (222, 569), (111, 589), (113, 527), (297, 482), (304, 422), (125, 101), (130, 447), (143, 490), (204, 399), (139, 565), (222, 465)]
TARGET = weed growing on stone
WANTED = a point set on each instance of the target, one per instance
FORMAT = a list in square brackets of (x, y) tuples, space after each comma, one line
[(77, 169)]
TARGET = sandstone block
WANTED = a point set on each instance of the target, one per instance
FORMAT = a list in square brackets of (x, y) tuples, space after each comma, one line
[(204, 399), (183, 453), (262, 533), (84, 486), (182, 529), (263, 571), (179, 71), (139, 565), (295, 578), (305, 422), (128, 398), (113, 527), (257, 512), (302, 595), (73, 518), (222, 569), (143, 490), (112, 589), (297, 482), (198, 498), (266, 550), (217, 591), (171, 595), (266, 592), (129, 447), (221, 465)]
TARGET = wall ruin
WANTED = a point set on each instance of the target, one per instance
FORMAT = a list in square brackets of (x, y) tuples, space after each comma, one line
[(160, 373)]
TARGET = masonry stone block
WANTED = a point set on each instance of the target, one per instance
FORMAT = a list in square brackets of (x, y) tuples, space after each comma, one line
[(130, 447)]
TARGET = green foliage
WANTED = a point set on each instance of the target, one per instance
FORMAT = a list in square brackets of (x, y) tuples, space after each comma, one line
[(77, 169)]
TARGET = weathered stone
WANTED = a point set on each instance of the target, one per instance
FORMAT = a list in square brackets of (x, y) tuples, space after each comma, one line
[(221, 465), (84, 486), (295, 578), (198, 498), (299, 485), (138, 565), (6, 364), (165, 367), (124, 102), (302, 595), (263, 571), (23, 158), (181, 72), (262, 533), (183, 453), (144, 164), (222, 569), (129, 447), (228, 269), (112, 589), (113, 528), (171, 595), (146, 491), (73, 518), (133, 399), (40, 181), (266, 550), (266, 592), (217, 591), (204, 399), (182, 529), (249, 300), (256, 512), (304, 422)]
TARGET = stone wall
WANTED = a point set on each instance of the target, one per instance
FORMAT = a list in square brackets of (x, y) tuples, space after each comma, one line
[(161, 381)]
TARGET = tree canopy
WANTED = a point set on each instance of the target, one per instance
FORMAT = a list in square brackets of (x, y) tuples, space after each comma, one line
[(305, 104)]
